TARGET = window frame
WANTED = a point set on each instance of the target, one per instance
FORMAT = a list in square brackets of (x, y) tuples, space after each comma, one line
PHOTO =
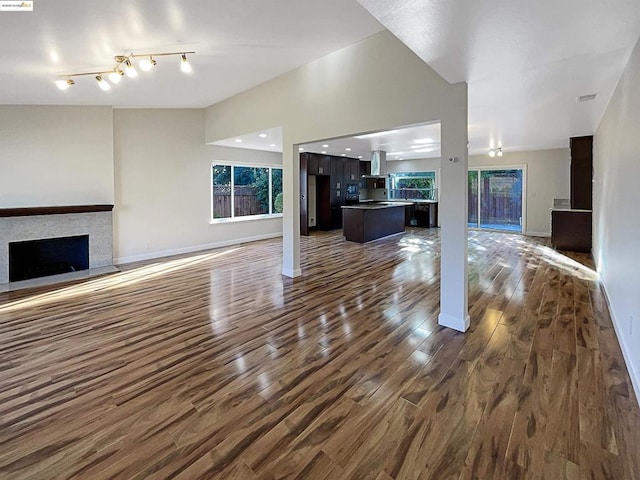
[(436, 186), (243, 218)]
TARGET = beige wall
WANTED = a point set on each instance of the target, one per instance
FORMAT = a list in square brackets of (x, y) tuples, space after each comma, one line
[(616, 195), (163, 186), (55, 156), (547, 173)]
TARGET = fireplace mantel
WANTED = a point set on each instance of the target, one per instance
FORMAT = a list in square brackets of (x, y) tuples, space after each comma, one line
[(57, 210)]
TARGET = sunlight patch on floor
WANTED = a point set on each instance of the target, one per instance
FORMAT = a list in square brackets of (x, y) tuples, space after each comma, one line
[(111, 282)]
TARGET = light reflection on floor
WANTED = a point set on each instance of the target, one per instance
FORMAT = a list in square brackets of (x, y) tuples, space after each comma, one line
[(111, 282)]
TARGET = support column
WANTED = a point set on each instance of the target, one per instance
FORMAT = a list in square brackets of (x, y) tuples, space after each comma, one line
[(454, 297), (291, 209)]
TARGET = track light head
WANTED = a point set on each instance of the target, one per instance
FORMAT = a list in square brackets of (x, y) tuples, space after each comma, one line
[(116, 75), (147, 64), (185, 66), (64, 84), (493, 152), (102, 83), (129, 69)]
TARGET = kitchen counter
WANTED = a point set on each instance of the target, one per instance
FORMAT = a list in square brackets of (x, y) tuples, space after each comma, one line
[(375, 205), (365, 222)]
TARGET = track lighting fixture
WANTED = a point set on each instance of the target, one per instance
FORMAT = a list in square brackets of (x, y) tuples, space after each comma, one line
[(123, 65), (130, 69), (116, 76), (102, 83), (185, 66), (147, 64), (495, 152), (64, 84)]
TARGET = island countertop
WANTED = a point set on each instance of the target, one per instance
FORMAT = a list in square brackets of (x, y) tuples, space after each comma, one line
[(377, 205)]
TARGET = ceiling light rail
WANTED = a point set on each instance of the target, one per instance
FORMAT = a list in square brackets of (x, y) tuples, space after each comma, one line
[(495, 152), (123, 66)]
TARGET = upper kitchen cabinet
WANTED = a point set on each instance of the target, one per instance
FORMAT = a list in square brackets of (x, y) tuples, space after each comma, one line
[(581, 172), (318, 164), (352, 170), (337, 172)]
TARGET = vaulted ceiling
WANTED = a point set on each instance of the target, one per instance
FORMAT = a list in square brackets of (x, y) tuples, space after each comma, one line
[(525, 62)]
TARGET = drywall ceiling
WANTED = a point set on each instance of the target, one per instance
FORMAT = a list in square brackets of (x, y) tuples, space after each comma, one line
[(417, 141), (238, 44), (525, 62)]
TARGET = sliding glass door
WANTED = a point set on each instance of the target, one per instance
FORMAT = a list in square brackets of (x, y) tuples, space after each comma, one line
[(495, 199)]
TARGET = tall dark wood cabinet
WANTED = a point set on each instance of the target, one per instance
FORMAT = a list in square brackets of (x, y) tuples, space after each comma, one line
[(571, 228), (581, 172), (332, 175), (304, 193)]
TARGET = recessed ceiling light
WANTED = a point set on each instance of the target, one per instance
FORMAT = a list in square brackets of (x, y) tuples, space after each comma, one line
[(300, 149), (263, 135), (272, 145), (343, 154), (325, 146), (395, 153), (347, 149), (323, 151), (238, 140), (359, 156), (377, 134), (423, 140)]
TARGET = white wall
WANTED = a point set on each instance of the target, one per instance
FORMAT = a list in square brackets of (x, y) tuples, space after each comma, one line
[(163, 186), (616, 229), (376, 84), (53, 156), (548, 177)]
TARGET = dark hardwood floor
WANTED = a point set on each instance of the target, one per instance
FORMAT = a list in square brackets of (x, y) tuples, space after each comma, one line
[(215, 366)]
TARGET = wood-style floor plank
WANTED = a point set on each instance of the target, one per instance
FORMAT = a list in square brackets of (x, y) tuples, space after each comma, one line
[(213, 365)]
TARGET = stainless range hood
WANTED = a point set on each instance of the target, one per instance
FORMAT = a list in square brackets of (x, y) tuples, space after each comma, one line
[(376, 185), (378, 163)]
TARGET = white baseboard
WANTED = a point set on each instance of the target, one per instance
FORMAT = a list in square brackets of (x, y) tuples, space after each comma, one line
[(287, 272), (626, 351), (538, 234), (449, 321), (192, 249)]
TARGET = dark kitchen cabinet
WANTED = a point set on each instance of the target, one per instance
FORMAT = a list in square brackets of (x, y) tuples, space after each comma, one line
[(352, 170), (332, 175), (337, 201), (304, 201), (337, 172), (581, 172), (318, 164)]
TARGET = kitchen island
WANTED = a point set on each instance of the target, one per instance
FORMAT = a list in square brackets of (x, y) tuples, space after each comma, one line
[(369, 221)]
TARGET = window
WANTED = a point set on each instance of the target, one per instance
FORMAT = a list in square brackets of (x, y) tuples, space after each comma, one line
[(244, 191), (414, 185)]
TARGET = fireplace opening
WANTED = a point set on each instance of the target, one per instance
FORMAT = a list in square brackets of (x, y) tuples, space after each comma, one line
[(51, 256)]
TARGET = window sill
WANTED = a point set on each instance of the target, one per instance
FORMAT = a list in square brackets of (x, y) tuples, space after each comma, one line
[(247, 218)]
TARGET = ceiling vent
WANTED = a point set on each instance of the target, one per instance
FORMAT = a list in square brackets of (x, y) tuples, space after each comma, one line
[(587, 98)]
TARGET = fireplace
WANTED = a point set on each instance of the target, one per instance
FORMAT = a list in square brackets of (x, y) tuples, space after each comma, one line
[(41, 245), (50, 256)]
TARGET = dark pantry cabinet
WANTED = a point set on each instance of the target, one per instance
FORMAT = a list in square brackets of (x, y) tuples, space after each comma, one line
[(332, 174)]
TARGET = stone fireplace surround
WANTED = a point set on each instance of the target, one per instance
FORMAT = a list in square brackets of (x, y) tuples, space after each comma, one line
[(35, 223)]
